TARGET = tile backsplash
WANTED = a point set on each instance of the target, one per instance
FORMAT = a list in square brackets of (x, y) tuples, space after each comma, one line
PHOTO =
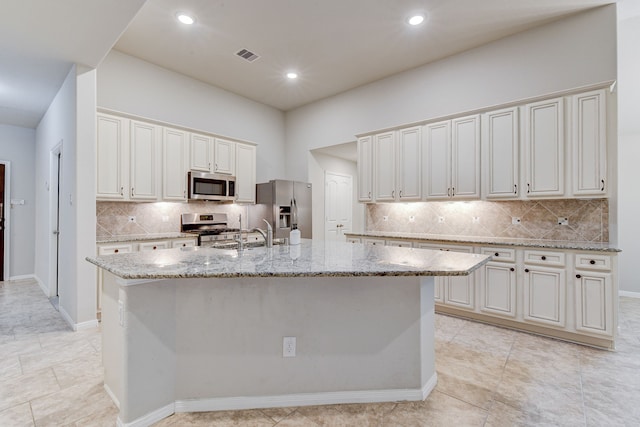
[(588, 220), (112, 218)]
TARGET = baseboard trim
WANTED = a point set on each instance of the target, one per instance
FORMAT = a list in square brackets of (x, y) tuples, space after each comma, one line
[(629, 294), (149, 419), (280, 401), (112, 396), (306, 399), (89, 324)]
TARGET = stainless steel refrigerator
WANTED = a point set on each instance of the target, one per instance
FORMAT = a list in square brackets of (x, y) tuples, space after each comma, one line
[(284, 204)]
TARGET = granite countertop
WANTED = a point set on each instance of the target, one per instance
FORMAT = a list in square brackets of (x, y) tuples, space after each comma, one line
[(142, 237), (312, 258), (501, 241)]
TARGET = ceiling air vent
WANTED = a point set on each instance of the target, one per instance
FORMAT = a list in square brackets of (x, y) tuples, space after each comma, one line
[(247, 54)]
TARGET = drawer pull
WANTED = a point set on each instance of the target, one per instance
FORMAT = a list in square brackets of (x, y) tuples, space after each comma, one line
[(512, 269), (526, 270), (496, 254), (592, 262), (115, 251), (543, 258), (578, 276), (155, 247)]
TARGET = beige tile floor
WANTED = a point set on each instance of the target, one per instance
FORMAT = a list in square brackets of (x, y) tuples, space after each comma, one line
[(487, 376)]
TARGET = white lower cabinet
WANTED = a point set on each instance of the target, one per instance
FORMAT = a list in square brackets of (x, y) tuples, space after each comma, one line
[(568, 294), (498, 283), (545, 295), (456, 291)]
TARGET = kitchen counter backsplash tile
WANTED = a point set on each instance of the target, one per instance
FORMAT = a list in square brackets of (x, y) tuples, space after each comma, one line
[(588, 219), (112, 218)]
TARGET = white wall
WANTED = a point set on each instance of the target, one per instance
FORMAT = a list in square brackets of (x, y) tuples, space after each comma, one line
[(629, 149), (570, 53), (137, 87), (319, 163), (17, 146), (70, 120)]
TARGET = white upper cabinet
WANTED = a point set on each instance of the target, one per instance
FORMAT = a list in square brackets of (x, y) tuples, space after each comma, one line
[(589, 144), (201, 158), (452, 159), (224, 157), (384, 170), (175, 164), (500, 160), (409, 164), (245, 173), (437, 160), (144, 156), (544, 148), (112, 158), (365, 169)]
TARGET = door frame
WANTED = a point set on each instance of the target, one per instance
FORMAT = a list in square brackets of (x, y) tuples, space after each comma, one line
[(54, 185), (7, 219)]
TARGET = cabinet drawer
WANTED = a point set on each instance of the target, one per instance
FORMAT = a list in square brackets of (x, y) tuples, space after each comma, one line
[(500, 254), (399, 243), (182, 243), (550, 258), (353, 240), (115, 249), (378, 242), (152, 246), (447, 248), (593, 262)]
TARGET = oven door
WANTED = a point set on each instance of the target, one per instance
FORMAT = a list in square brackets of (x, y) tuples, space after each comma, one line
[(207, 186)]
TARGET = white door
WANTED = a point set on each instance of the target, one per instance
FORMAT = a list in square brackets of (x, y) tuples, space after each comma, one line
[(338, 205), (410, 164), (144, 161), (500, 142), (175, 153), (498, 289), (384, 171), (365, 169), (594, 307), (544, 295), (112, 158), (465, 157), (201, 153), (245, 173), (224, 157)]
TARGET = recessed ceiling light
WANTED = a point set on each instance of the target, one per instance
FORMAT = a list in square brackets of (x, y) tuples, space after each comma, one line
[(185, 19), (416, 20), (292, 75)]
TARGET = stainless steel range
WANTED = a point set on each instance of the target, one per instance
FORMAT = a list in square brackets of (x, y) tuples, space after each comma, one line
[(211, 228)]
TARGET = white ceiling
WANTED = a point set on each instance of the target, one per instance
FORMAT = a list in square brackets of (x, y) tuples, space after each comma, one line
[(335, 45)]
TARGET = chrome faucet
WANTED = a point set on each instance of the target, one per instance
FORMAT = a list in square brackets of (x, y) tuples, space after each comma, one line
[(268, 235), (239, 239)]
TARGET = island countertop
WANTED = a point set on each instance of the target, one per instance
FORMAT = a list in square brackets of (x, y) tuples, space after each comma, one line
[(312, 258)]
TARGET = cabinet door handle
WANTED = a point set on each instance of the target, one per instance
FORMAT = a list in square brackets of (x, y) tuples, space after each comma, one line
[(528, 188), (512, 269), (544, 258), (155, 247), (578, 276), (400, 194), (602, 181), (215, 166), (131, 191), (453, 191), (496, 254), (369, 194), (122, 191), (515, 188), (393, 194), (526, 270), (184, 194), (448, 192), (115, 251)]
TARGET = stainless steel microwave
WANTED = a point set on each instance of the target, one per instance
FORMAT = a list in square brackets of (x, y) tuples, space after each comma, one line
[(210, 186)]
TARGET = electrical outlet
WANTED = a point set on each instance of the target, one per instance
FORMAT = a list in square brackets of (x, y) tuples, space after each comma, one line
[(563, 221), (289, 347), (475, 220), (515, 220), (385, 218), (132, 219), (441, 219), (412, 218)]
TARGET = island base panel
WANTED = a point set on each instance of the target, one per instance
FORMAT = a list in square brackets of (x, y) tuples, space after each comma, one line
[(216, 344)]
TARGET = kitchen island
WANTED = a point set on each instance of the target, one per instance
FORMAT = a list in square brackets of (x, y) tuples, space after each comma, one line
[(201, 329)]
